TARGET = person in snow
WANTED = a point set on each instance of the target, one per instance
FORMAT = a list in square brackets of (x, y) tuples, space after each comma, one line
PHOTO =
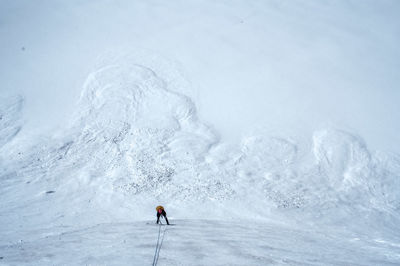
[(161, 211)]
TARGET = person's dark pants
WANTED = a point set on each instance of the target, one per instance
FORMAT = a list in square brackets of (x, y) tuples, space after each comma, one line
[(163, 213)]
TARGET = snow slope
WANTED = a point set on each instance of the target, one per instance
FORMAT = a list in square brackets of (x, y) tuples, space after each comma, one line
[(136, 139), (289, 66)]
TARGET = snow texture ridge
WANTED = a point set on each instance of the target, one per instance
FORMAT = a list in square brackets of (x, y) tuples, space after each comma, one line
[(135, 137)]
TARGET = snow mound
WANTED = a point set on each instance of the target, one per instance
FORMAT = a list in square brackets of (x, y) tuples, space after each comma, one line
[(342, 157), (135, 140), (141, 135)]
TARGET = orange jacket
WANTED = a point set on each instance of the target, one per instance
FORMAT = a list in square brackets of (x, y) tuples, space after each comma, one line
[(160, 208)]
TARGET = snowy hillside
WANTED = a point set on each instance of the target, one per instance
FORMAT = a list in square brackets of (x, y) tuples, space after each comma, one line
[(263, 173)]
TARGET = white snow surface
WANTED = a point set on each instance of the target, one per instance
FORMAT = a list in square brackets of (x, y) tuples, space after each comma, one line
[(200, 242), (85, 194)]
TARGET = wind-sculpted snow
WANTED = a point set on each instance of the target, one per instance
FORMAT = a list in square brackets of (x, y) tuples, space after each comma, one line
[(352, 172), (136, 140), (133, 125), (344, 158)]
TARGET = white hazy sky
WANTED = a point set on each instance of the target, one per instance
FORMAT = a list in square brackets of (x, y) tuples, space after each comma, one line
[(290, 67)]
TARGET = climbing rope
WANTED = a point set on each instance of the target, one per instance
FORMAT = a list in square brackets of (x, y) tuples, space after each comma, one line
[(158, 240), (159, 244)]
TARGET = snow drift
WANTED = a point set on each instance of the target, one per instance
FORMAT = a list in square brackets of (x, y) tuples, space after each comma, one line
[(135, 140)]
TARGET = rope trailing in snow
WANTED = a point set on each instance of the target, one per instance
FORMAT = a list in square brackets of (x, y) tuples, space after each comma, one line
[(159, 244), (158, 240)]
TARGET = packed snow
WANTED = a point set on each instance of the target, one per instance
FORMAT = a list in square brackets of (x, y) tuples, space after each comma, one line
[(83, 190), (200, 242)]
